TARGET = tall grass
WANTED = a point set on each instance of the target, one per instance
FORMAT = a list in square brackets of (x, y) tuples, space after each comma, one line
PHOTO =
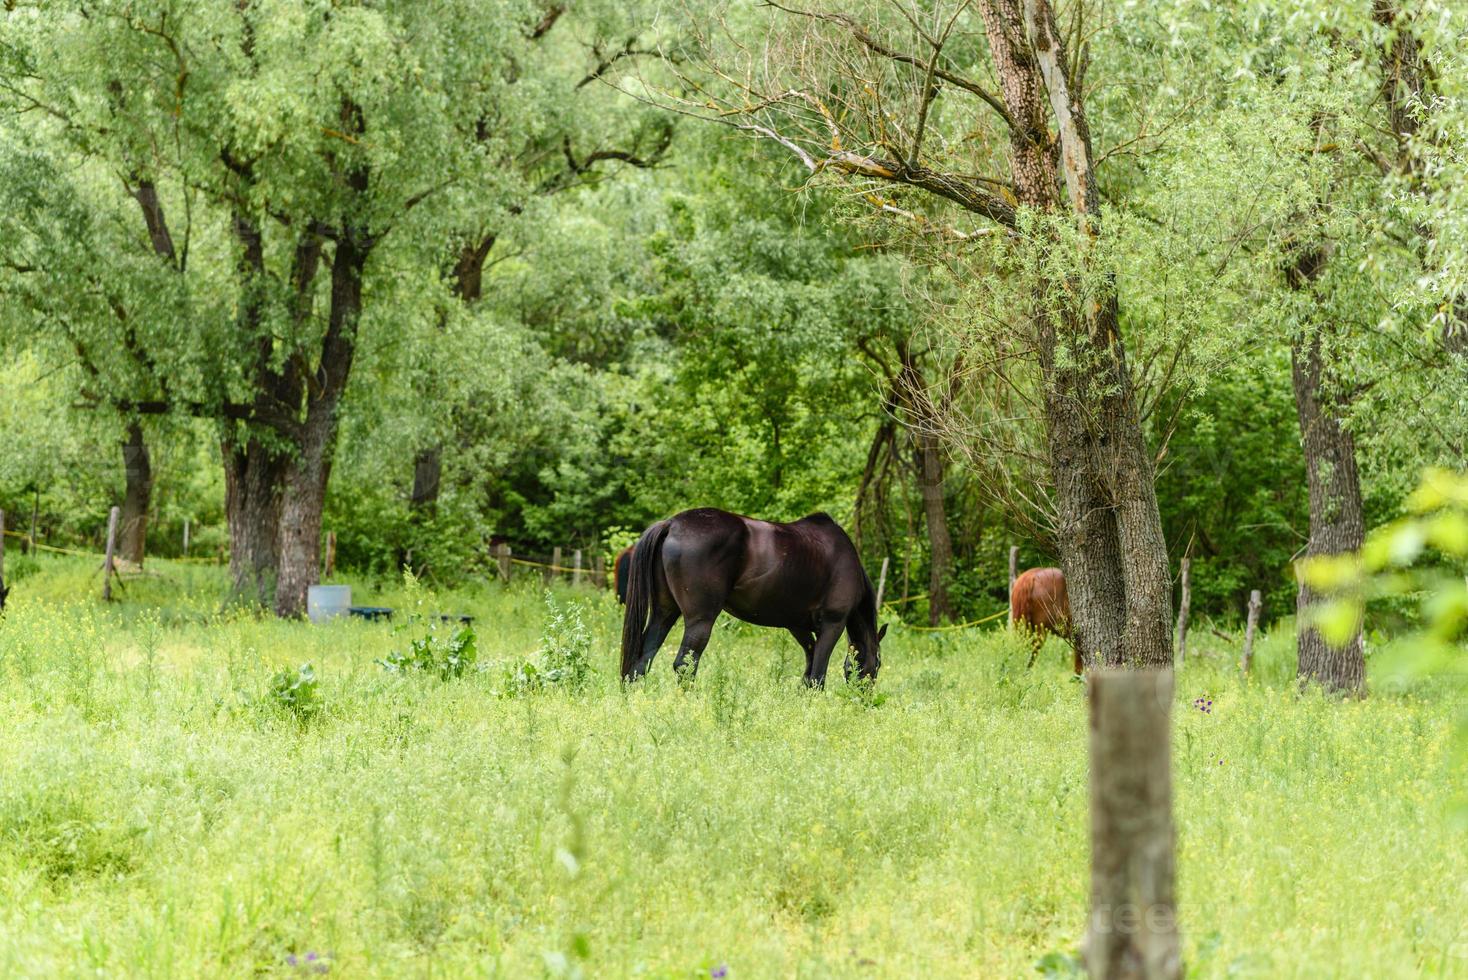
[(163, 813)]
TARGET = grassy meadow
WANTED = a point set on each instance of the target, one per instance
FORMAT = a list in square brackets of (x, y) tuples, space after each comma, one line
[(175, 801)]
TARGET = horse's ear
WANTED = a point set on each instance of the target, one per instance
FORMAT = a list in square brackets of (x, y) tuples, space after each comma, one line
[(881, 632)]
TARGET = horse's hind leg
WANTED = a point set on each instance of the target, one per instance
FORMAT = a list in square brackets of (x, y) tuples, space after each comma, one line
[(660, 624), (1036, 636), (696, 632)]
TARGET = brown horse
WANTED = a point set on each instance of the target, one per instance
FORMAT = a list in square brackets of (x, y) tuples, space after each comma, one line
[(1040, 604), (620, 570)]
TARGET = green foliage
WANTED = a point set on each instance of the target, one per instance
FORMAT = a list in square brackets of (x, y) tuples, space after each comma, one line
[(296, 692), (564, 657), (1423, 554), (443, 656)]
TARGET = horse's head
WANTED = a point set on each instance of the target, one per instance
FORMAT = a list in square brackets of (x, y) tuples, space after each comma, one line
[(867, 642)]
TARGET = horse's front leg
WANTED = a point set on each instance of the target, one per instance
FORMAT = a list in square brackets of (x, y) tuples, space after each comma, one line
[(820, 658), (807, 640)]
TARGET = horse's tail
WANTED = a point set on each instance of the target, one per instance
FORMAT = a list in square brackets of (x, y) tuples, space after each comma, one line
[(641, 579)]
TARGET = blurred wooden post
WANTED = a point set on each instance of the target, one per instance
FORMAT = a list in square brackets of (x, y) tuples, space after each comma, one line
[(1182, 612), (576, 567), (1133, 927), (107, 560), (502, 555), (1013, 574), (330, 554), (882, 583), (186, 537), (35, 516), (555, 563), (1255, 603), (2, 545), (598, 571)]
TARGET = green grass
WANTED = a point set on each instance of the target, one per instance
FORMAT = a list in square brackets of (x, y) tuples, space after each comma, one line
[(162, 815)]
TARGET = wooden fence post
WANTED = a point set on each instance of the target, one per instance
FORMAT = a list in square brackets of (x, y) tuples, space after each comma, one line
[(502, 554), (331, 554), (1132, 932), (598, 571), (186, 537), (1182, 611), (882, 583), (555, 563), (35, 515), (1013, 574), (107, 560), (2, 545), (1255, 603), (576, 567)]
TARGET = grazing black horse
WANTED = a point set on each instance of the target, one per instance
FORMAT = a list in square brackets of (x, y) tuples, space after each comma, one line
[(3, 593), (805, 577)]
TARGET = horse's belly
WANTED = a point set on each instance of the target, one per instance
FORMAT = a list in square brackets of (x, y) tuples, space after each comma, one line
[(782, 611)]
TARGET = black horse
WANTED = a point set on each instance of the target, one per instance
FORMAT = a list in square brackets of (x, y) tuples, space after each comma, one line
[(805, 577), (3, 592)]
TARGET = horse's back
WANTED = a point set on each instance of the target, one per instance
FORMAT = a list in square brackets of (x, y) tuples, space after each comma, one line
[(765, 572)]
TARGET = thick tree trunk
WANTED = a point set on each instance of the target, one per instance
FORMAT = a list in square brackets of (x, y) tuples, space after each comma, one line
[(1336, 523), (302, 504), (252, 492), (299, 560), (935, 514), (138, 495), (1109, 530)]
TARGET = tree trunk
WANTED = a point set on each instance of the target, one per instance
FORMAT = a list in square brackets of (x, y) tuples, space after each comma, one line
[(138, 495), (930, 480), (299, 560), (1336, 523), (912, 394), (1110, 537), (427, 473), (302, 504), (252, 492), (468, 287)]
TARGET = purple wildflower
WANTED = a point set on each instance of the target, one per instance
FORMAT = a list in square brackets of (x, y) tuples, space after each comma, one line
[(291, 959), (719, 972)]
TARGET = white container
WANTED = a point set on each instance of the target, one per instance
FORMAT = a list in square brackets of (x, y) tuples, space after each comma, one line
[(324, 602)]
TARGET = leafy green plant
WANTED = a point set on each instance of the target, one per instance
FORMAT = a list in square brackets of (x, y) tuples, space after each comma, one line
[(1396, 561), (297, 692), (436, 654), (564, 658)]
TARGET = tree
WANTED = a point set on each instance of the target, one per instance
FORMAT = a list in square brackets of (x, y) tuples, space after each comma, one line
[(295, 144), (856, 97)]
